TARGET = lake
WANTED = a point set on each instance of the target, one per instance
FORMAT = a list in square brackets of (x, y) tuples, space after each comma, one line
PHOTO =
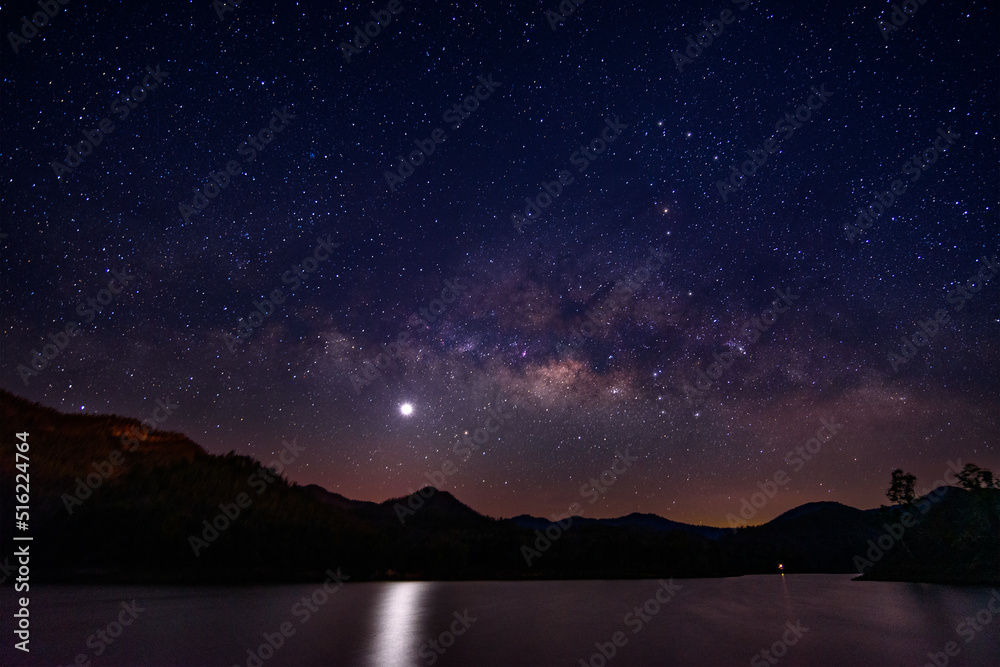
[(805, 619)]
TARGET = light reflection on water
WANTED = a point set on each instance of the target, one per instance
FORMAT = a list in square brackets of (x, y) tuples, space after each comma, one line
[(709, 622), (396, 629)]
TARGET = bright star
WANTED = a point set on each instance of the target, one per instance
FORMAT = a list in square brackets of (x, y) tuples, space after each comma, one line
[(406, 409)]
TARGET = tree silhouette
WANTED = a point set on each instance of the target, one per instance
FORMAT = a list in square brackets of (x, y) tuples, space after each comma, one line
[(973, 477), (901, 491)]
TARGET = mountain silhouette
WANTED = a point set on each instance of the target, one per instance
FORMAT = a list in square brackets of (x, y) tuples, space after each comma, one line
[(112, 500), (639, 520)]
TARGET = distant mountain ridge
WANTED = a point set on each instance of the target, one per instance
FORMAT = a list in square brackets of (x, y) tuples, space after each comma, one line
[(633, 520), (156, 514)]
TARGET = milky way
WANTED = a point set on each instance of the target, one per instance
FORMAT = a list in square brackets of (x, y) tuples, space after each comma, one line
[(689, 233)]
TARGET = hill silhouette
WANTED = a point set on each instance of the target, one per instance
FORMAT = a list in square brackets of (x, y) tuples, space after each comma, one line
[(109, 505), (958, 541)]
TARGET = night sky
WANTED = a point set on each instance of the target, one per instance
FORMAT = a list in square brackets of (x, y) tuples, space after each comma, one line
[(590, 327)]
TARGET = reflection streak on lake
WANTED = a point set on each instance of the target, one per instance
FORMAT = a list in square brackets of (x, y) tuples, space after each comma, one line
[(396, 630)]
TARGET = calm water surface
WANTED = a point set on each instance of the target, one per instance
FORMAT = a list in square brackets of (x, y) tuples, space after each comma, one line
[(704, 622)]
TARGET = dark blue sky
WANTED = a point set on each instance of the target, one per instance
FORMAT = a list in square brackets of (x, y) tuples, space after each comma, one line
[(307, 218)]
